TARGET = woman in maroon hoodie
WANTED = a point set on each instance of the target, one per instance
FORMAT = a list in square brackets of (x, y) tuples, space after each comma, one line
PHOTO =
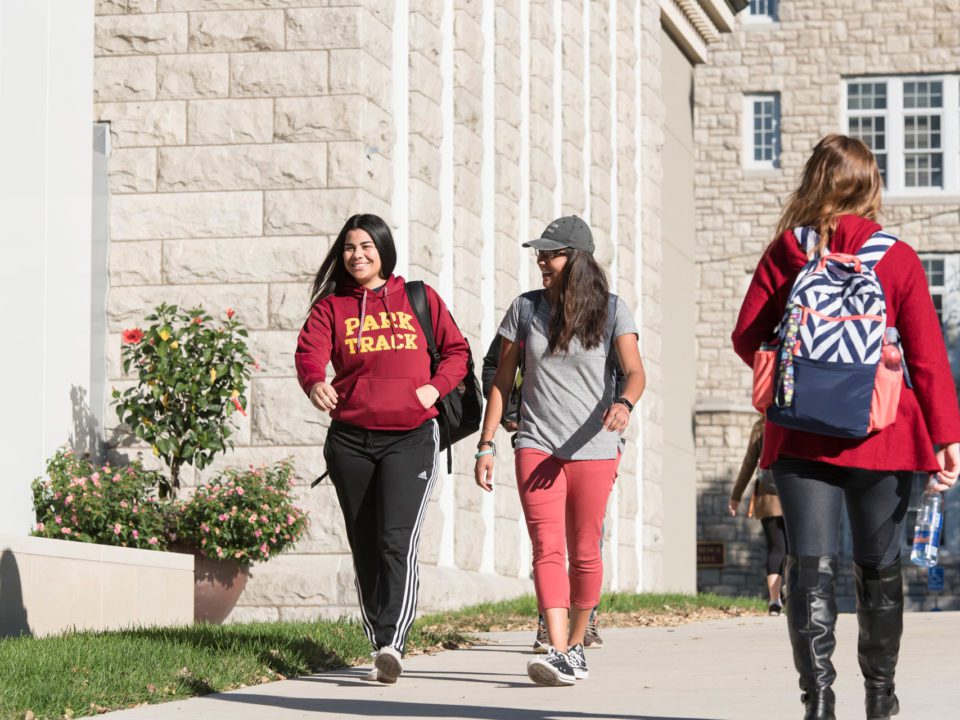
[(834, 211), (381, 448)]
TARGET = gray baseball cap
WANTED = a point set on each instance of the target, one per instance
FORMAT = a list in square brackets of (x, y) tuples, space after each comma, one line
[(569, 231)]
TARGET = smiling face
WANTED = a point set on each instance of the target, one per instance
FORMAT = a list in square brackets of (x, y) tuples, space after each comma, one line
[(361, 259), (551, 264)]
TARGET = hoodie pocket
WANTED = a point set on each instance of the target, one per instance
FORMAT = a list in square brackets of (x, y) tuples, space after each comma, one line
[(388, 403)]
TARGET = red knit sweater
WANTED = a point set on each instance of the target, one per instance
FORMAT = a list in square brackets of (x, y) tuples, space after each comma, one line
[(927, 415)]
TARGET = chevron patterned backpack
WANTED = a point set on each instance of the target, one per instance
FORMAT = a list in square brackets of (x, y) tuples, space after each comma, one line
[(835, 367)]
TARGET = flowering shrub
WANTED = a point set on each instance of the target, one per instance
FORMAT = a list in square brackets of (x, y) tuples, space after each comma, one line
[(111, 506), (191, 376), (246, 515)]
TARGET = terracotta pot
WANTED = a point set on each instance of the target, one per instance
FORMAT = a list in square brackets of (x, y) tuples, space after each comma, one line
[(217, 585)]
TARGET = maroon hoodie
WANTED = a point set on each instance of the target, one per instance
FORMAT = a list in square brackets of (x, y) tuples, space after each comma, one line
[(927, 414), (379, 354)]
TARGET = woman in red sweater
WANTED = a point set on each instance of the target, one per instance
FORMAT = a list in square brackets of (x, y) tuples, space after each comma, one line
[(834, 211), (381, 447)]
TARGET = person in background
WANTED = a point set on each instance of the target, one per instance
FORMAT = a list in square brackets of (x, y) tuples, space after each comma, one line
[(765, 507)]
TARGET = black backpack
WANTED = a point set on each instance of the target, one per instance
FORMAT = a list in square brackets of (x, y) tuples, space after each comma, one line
[(461, 410)]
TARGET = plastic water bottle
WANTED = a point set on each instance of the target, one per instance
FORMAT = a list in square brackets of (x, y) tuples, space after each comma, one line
[(926, 536)]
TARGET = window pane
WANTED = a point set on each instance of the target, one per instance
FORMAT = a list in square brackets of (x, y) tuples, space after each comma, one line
[(923, 94), (765, 130), (872, 131), (921, 132), (923, 169), (933, 267), (764, 8), (867, 96)]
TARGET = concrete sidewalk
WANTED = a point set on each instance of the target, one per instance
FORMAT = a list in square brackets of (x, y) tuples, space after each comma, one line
[(737, 669)]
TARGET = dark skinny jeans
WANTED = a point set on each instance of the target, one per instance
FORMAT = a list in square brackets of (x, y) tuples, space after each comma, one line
[(812, 496)]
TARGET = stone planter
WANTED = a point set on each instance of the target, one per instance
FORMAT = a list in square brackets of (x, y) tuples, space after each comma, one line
[(217, 585)]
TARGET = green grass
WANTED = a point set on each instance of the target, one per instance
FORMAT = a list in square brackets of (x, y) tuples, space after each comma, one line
[(86, 673)]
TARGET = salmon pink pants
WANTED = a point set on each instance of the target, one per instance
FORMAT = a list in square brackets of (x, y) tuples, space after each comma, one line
[(564, 502)]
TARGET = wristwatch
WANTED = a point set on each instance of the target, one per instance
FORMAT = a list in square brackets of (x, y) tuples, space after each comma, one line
[(626, 403)]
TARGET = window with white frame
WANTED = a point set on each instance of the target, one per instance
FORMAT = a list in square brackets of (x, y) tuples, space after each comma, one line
[(761, 131), (912, 124), (762, 11)]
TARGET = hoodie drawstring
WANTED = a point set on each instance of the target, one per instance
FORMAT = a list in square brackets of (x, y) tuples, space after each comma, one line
[(363, 314)]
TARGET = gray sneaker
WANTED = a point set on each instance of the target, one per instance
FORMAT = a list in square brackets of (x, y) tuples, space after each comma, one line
[(542, 644), (578, 661), (591, 638)]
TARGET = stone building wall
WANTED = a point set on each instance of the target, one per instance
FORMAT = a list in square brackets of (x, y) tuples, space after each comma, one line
[(804, 56)]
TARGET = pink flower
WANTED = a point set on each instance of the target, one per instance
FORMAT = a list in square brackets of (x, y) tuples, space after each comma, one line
[(233, 510), (239, 491), (136, 534), (123, 504), (230, 312), (276, 530), (134, 509), (116, 529), (219, 552), (69, 499), (203, 542), (116, 477), (258, 533), (290, 520), (132, 337), (238, 554), (205, 528), (58, 520), (264, 519), (66, 530), (264, 549), (198, 320), (152, 541), (39, 527), (253, 518), (95, 478), (222, 516)]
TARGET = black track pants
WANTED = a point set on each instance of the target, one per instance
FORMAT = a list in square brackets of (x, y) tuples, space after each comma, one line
[(812, 496), (383, 481)]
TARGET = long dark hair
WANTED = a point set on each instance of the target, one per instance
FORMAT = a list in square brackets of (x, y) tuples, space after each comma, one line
[(580, 304), (333, 273)]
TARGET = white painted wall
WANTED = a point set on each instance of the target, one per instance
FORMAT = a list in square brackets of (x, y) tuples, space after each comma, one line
[(46, 90)]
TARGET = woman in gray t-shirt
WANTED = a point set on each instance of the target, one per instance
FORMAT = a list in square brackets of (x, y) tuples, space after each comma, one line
[(569, 338)]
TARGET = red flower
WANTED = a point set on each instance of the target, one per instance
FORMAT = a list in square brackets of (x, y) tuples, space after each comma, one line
[(238, 406), (132, 337), (230, 312)]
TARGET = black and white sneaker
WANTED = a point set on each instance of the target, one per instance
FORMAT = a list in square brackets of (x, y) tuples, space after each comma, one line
[(541, 646), (553, 670), (578, 661)]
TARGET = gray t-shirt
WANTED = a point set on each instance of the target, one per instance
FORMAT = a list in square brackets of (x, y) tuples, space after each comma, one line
[(566, 394)]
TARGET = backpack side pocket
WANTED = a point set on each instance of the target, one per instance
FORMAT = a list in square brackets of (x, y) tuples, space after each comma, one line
[(764, 367)]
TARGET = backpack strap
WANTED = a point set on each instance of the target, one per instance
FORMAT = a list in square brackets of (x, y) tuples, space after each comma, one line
[(421, 308), (417, 295), (529, 306), (875, 248)]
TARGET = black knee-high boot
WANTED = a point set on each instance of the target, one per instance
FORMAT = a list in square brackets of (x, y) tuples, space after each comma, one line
[(880, 616), (810, 584)]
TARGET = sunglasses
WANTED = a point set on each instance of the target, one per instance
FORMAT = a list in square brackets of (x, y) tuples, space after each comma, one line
[(548, 255)]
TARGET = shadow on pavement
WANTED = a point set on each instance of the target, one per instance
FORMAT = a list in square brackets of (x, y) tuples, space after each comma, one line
[(401, 709)]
